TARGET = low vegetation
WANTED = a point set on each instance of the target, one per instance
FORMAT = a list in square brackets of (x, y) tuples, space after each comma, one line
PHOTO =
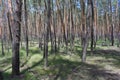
[(103, 64)]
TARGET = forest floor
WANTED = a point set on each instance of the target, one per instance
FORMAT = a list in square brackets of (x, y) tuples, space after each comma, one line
[(103, 64)]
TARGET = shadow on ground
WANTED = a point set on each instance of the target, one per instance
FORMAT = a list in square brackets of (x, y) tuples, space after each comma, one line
[(92, 72), (66, 69), (107, 54), (70, 70)]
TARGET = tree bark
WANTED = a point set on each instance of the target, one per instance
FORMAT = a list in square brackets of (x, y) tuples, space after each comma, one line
[(111, 23), (92, 25), (16, 30), (26, 27), (47, 34)]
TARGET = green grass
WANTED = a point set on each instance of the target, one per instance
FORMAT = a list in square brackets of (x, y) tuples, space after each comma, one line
[(104, 64)]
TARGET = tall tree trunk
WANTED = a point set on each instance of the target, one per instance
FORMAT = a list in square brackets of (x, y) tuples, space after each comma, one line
[(62, 23), (2, 22), (95, 23), (92, 25), (83, 22), (54, 27), (111, 23), (2, 43), (47, 34), (26, 27), (71, 26), (83, 40), (16, 29), (89, 24)]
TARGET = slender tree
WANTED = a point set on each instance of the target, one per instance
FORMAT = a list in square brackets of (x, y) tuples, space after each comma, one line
[(26, 27), (111, 23), (92, 25), (16, 29), (47, 33), (84, 40)]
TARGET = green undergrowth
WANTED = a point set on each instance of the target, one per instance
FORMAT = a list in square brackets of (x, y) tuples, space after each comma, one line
[(64, 65)]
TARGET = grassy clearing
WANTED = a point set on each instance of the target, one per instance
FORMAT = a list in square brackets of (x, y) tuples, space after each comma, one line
[(104, 64)]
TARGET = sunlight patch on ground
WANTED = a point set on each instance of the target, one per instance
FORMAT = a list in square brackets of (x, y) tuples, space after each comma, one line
[(34, 59)]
